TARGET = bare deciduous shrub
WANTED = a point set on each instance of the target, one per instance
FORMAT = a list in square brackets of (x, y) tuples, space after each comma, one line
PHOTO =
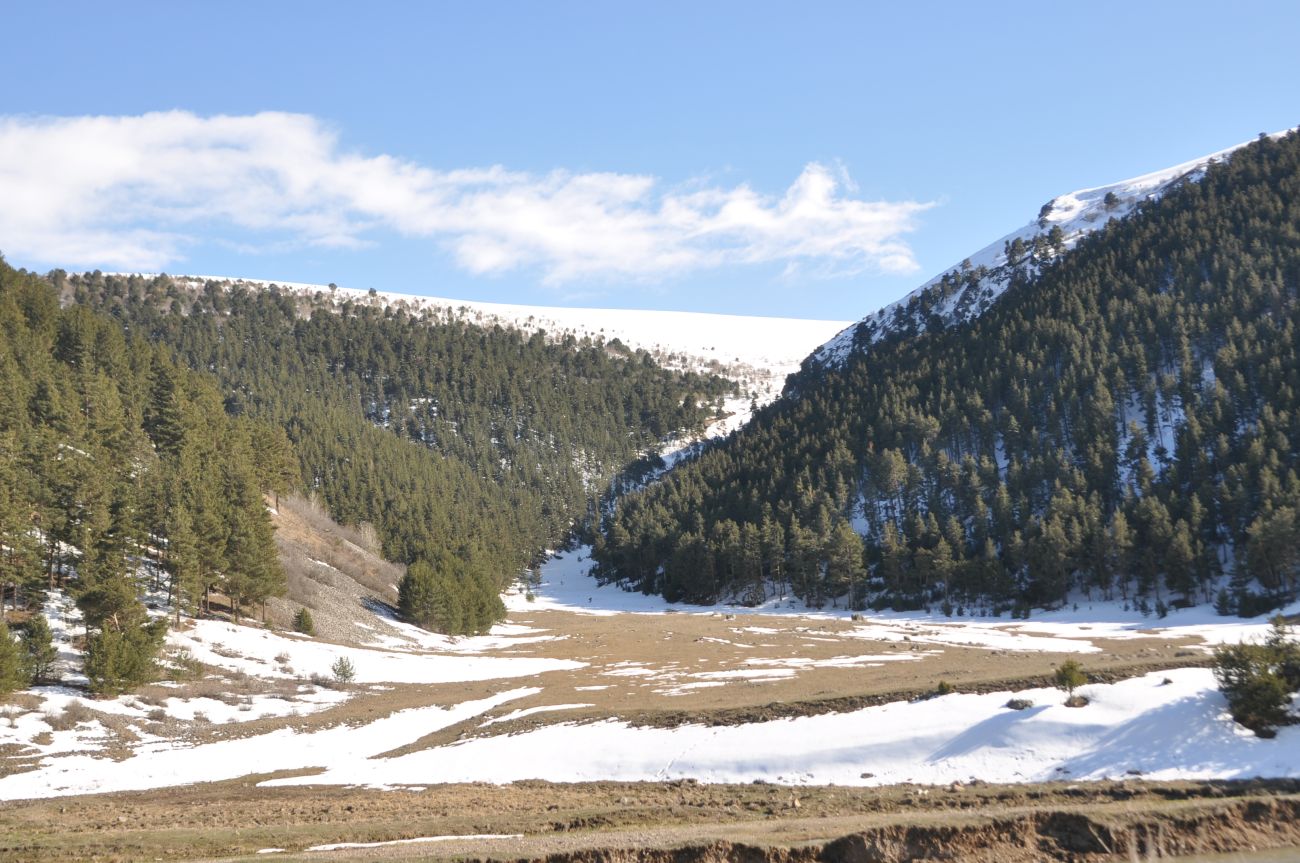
[(73, 715)]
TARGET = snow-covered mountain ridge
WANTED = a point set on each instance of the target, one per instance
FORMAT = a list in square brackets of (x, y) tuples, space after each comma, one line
[(756, 352), (968, 289)]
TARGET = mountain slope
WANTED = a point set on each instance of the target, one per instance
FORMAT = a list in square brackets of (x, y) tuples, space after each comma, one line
[(121, 472), (755, 352), (481, 445), (1124, 420), (970, 288)]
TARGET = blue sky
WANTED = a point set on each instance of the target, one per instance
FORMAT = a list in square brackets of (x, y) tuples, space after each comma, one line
[(805, 160)]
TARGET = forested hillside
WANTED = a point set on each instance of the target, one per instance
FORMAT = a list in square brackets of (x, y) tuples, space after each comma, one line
[(471, 447), (1123, 420), (119, 471)]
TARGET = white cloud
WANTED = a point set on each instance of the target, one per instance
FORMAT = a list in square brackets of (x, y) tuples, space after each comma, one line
[(134, 192)]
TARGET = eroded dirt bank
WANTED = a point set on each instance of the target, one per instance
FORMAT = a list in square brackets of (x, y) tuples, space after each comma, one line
[(673, 822), (1040, 836)]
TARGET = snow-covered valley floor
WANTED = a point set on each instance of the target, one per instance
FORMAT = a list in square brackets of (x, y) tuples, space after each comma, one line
[(590, 683), (949, 738)]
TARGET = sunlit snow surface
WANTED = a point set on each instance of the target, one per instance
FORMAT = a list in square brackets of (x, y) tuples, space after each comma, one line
[(340, 846), (266, 654), (954, 737), (567, 585), (66, 732), (161, 764)]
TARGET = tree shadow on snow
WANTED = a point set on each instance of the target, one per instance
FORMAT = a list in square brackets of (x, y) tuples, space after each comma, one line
[(996, 732), (1191, 735)]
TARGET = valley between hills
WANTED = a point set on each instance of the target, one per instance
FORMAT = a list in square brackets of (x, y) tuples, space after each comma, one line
[(600, 724), (304, 573)]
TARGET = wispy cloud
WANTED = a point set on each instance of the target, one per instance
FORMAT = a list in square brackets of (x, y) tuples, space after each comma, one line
[(136, 192)]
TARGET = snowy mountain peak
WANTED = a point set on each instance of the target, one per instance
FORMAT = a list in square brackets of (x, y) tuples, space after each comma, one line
[(965, 291)]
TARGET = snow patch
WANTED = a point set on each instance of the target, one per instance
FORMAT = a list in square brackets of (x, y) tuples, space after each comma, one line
[(940, 740), (530, 711), (257, 652), (168, 763), (567, 585), (477, 837)]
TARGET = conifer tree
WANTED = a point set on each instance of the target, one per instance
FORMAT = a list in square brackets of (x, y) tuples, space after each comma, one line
[(302, 622), (13, 674), (119, 660), (845, 570), (185, 585), (20, 572), (38, 652)]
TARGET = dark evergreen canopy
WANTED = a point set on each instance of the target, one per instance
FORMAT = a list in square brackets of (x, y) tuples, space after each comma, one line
[(1125, 420), (119, 469), (476, 445)]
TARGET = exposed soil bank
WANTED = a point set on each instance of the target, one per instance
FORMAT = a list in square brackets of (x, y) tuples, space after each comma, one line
[(674, 822), (1039, 836)]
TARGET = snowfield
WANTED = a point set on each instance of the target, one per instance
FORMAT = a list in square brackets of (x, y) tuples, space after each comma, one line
[(161, 764), (567, 585), (1125, 730), (953, 738), (341, 846), (945, 739), (258, 652), (64, 728)]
